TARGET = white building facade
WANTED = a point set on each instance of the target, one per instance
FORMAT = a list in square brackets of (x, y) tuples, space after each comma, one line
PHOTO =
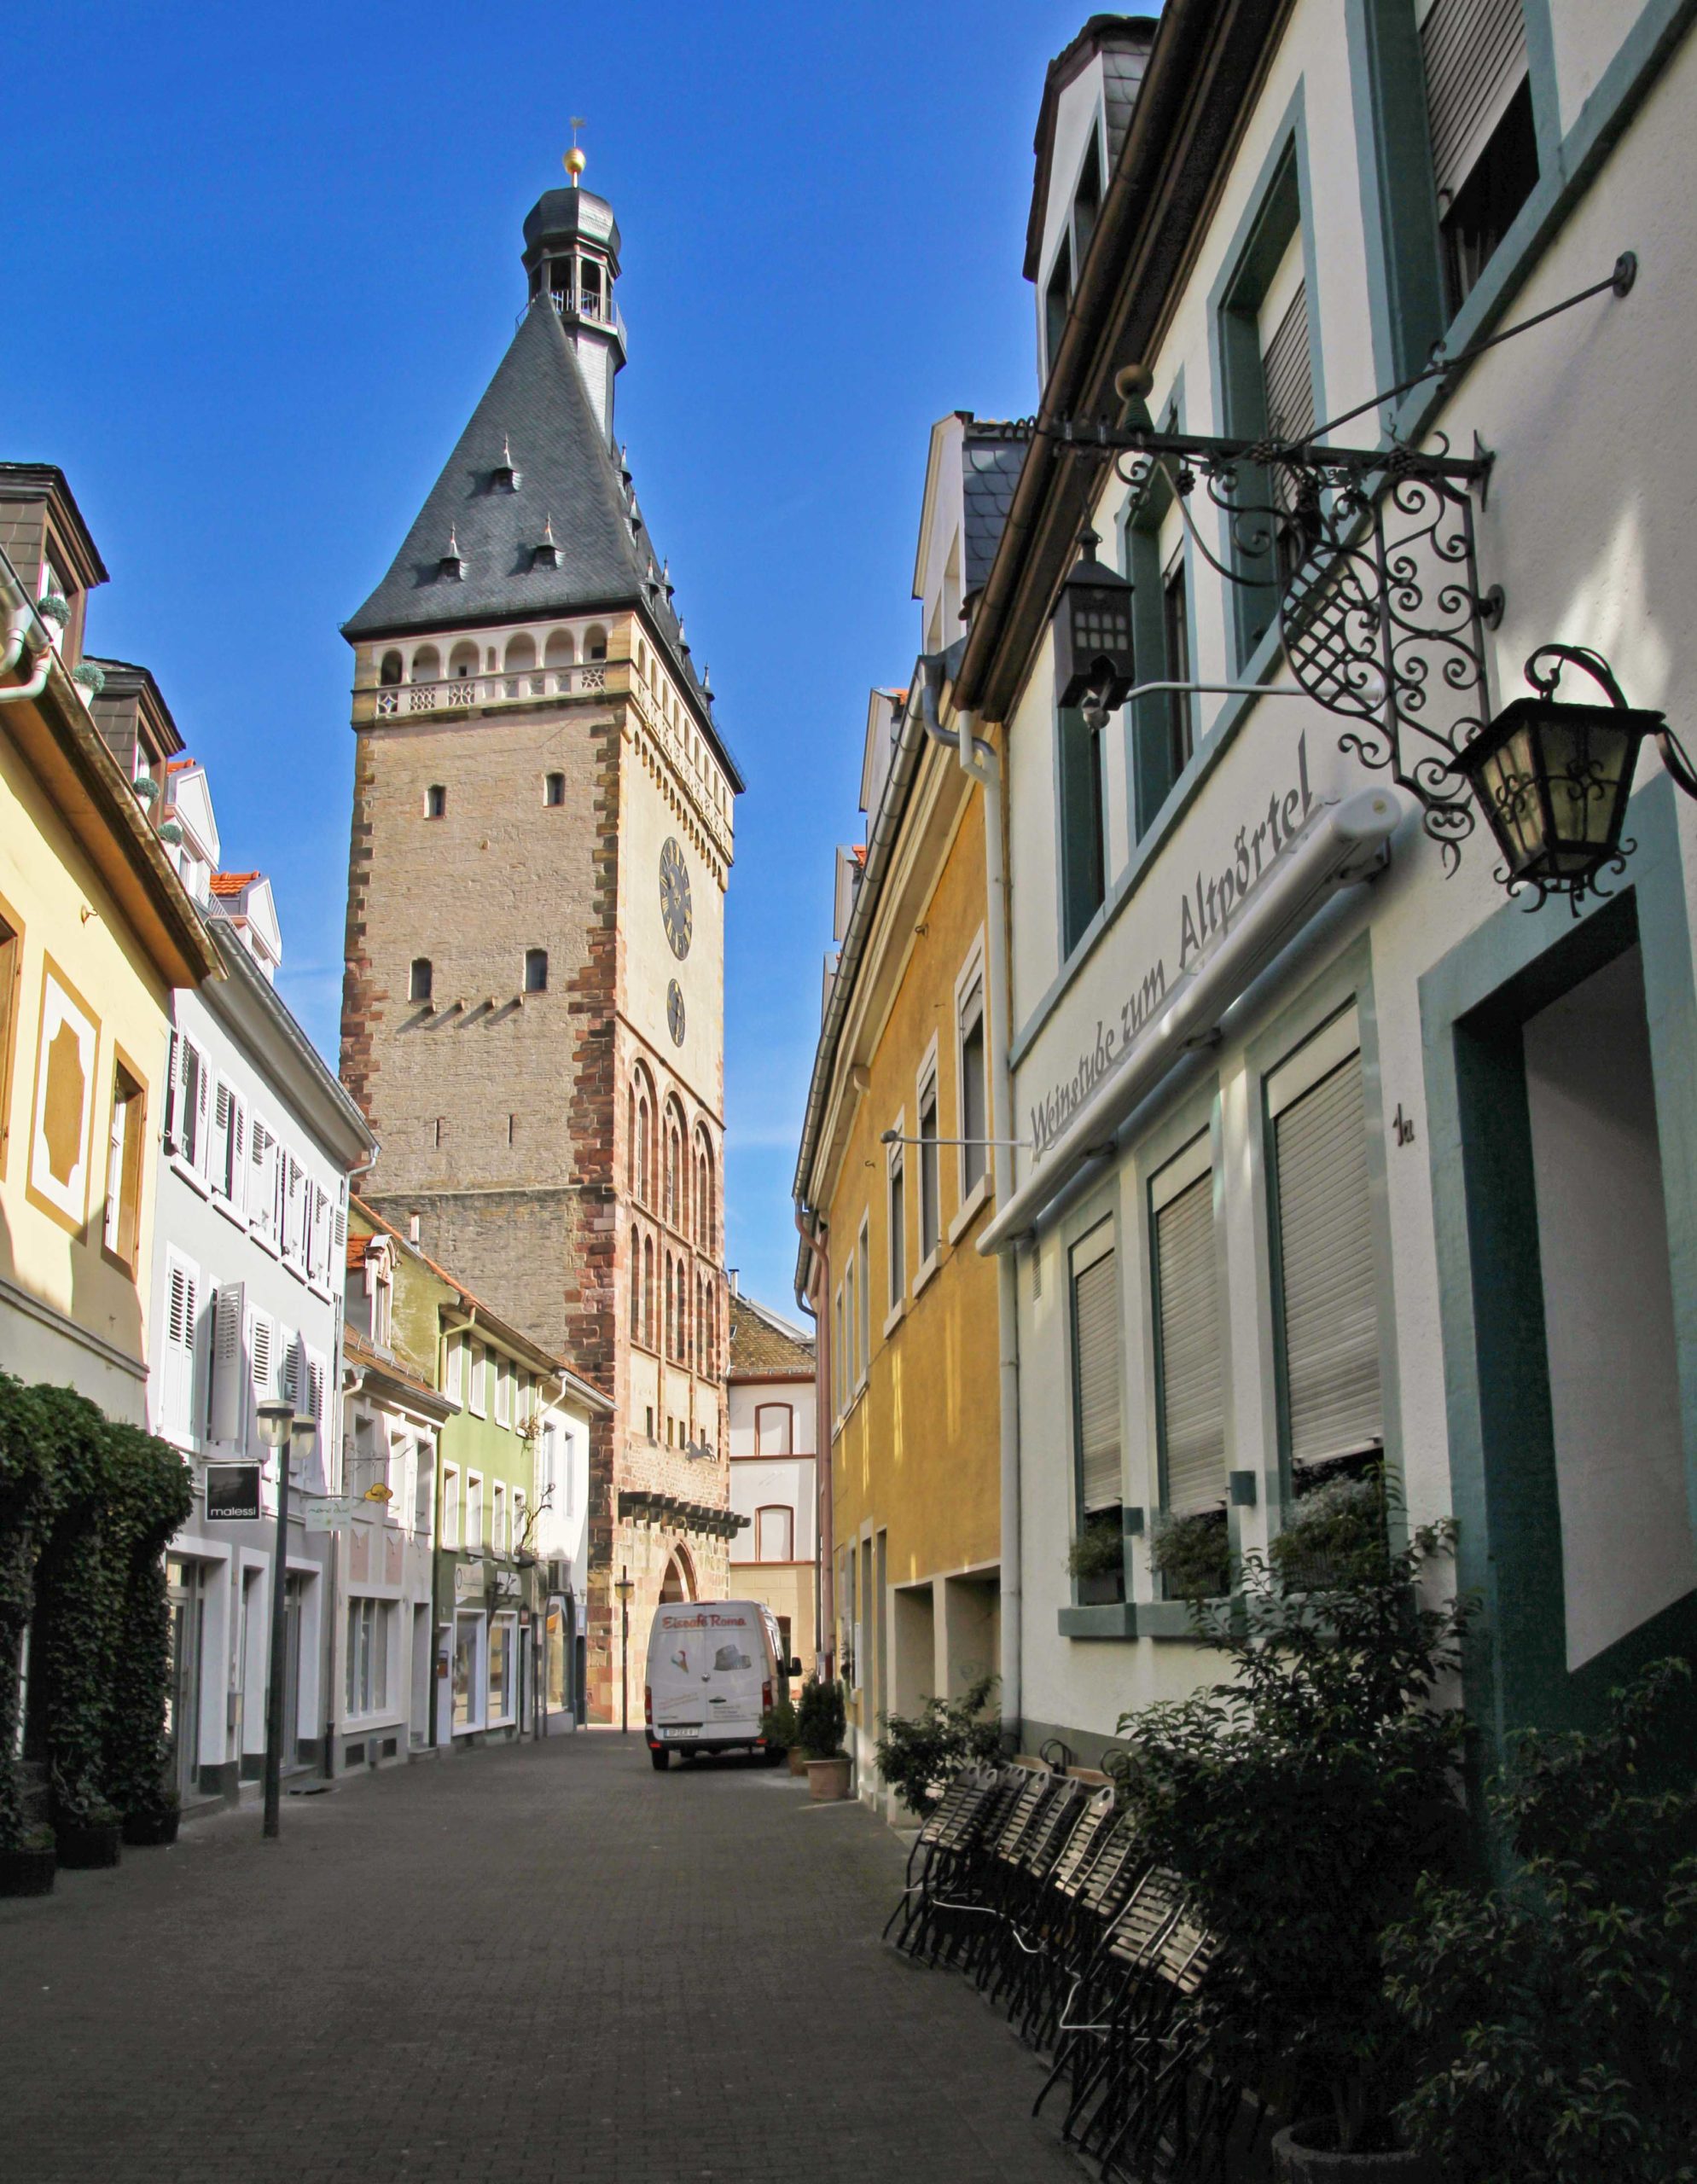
[(258, 1144), (771, 1413), (1333, 1154)]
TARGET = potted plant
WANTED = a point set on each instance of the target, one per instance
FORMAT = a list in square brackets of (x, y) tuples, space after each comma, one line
[(820, 1722), (1193, 1555), (1332, 1525), (87, 1835), (1097, 1559), (918, 1753), (28, 1860), (777, 1731), (1561, 2004), (1298, 1804)]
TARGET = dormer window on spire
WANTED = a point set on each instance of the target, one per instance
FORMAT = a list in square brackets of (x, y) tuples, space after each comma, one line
[(504, 477), (452, 567), (546, 556)]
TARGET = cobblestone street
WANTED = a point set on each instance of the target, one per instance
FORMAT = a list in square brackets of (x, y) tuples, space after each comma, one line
[(539, 1962)]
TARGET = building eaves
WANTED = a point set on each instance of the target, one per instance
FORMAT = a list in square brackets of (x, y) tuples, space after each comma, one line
[(46, 481), (394, 1377), (1203, 68)]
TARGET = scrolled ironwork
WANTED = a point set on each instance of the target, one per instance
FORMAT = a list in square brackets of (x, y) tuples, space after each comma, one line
[(1372, 555)]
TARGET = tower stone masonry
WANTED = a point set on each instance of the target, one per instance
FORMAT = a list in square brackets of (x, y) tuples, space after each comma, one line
[(532, 1014)]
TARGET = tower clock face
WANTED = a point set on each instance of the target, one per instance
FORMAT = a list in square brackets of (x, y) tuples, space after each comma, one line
[(674, 895), (674, 1012)]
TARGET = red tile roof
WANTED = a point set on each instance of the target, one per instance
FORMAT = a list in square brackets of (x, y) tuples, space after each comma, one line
[(231, 883)]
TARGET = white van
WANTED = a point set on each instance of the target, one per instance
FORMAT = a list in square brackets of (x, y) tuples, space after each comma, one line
[(714, 1667)]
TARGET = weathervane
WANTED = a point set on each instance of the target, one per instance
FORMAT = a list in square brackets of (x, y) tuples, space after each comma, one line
[(575, 159)]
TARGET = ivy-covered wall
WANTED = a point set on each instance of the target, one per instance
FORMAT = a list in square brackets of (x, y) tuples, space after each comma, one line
[(86, 1507)]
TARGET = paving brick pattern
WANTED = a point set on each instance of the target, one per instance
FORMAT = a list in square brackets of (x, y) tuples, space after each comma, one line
[(537, 1963)]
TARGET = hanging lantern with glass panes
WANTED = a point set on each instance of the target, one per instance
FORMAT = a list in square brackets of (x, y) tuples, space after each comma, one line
[(1093, 666)]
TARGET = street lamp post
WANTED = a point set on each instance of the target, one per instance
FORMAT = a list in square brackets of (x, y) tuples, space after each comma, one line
[(293, 1437), (622, 1586)]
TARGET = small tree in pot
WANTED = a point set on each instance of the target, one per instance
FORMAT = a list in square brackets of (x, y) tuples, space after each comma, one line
[(821, 1718), (1299, 1804)]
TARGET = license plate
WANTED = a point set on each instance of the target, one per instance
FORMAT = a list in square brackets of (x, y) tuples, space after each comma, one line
[(683, 1733)]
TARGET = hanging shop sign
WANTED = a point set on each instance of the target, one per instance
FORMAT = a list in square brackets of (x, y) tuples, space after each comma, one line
[(330, 1512), (232, 1491)]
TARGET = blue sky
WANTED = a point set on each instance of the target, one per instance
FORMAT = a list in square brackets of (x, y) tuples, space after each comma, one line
[(264, 262)]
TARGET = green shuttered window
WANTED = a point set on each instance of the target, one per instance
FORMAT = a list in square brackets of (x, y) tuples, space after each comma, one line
[(1329, 1316)]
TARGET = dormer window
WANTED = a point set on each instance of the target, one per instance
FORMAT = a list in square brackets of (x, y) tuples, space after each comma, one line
[(452, 567), (1057, 298), (1087, 200), (505, 478), (546, 554)]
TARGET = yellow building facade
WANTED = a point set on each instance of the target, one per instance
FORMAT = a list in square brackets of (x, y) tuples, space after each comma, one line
[(96, 929), (896, 1180)]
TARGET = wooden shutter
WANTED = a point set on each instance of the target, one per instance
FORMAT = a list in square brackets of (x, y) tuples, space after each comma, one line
[(228, 1402), (262, 1356), (172, 1101), (1475, 56), (1095, 1350), (183, 1304), (235, 1165), (1327, 1263), (202, 1105), (260, 1194), (218, 1166), (1191, 1364)]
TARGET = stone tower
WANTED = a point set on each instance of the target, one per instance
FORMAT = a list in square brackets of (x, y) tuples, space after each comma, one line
[(533, 1007)]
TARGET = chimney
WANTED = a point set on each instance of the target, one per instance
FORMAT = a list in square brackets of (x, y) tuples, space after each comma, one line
[(730, 1277), (412, 1228)]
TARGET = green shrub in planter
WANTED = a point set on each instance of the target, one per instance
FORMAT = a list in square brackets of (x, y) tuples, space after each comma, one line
[(26, 1497), (1563, 2003), (1299, 1803), (917, 1753), (1337, 1528), (777, 1726), (1193, 1554), (821, 1718), (1099, 1550)]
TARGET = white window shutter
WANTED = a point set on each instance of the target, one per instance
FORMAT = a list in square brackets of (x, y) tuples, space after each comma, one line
[(1192, 1379), (172, 1099), (177, 1398), (236, 1156), (229, 1403), (1327, 1270), (1096, 1336), (202, 1105), (262, 1356), (220, 1157)]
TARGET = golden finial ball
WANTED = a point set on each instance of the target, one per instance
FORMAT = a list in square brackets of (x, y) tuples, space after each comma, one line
[(575, 161)]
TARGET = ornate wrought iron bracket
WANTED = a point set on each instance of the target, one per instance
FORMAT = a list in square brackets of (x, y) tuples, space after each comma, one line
[(1369, 553)]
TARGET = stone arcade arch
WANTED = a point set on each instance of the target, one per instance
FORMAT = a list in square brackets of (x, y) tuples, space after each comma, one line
[(679, 1583)]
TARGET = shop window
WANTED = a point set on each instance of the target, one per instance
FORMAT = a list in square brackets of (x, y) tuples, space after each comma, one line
[(468, 1673), (1327, 1287), (368, 1656), (1095, 1380), (502, 1669), (125, 1147), (1190, 1342)]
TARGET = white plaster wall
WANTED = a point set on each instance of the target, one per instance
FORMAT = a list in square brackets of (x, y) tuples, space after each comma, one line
[(745, 1397), (783, 1481), (1588, 529), (1627, 1546), (1586, 34)]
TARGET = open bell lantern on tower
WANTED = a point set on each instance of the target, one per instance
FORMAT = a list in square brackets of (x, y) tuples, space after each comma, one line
[(1093, 666)]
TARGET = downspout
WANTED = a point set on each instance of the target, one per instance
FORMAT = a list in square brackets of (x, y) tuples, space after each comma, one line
[(983, 762), (17, 644), (824, 1559)]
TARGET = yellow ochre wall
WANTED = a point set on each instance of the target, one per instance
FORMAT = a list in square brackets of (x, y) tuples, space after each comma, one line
[(50, 889), (917, 1454)]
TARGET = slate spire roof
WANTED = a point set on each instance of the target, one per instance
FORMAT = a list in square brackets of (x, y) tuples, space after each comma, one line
[(573, 493)]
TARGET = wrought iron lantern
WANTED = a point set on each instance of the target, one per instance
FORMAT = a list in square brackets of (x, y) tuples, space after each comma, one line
[(1093, 664), (1553, 778)]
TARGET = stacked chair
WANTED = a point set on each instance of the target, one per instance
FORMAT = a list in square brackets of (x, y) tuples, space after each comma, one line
[(1030, 1882)]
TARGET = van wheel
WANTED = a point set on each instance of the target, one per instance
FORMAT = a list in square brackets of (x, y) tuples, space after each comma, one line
[(659, 1758)]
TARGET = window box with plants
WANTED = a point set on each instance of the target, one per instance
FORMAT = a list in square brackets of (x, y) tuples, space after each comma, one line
[(1192, 1555), (1096, 1559)]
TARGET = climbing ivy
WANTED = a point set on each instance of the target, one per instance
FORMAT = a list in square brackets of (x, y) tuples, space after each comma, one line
[(86, 1509)]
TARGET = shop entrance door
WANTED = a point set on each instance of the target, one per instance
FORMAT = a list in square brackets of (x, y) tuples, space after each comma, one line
[(186, 1593), (291, 1735)]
